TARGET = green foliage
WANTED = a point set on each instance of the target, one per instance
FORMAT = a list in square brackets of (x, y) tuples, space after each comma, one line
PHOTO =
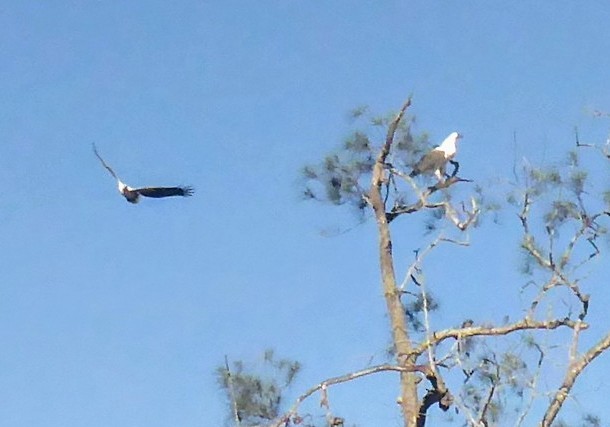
[(573, 158), (432, 220), (257, 394), (540, 180), (358, 111), (577, 181), (487, 204), (496, 381), (559, 212), (588, 420), (337, 179), (414, 310), (358, 142), (529, 262), (560, 199), (343, 176)]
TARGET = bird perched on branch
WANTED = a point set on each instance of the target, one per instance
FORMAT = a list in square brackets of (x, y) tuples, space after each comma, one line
[(133, 194), (435, 162)]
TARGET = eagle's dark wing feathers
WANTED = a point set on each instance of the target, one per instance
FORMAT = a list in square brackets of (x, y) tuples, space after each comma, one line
[(434, 160), (104, 163), (131, 194), (158, 192)]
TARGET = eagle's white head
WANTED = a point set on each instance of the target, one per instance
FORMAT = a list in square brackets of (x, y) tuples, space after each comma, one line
[(449, 145), (131, 194), (122, 186)]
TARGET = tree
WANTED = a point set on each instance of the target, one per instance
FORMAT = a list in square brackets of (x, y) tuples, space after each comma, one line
[(494, 370), (255, 395)]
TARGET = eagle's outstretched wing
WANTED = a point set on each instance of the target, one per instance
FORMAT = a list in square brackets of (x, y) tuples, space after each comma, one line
[(158, 192), (131, 194), (104, 163)]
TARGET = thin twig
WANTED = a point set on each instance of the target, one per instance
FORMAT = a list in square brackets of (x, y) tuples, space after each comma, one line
[(492, 390), (605, 150), (532, 386), (419, 256)]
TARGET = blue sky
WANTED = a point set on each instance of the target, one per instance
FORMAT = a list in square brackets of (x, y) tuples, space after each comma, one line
[(113, 314)]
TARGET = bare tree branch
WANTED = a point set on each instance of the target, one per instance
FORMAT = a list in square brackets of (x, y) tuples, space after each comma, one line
[(415, 267), (323, 386), (572, 373), (422, 201), (525, 324)]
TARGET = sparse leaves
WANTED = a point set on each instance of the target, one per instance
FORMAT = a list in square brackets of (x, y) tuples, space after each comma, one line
[(559, 212), (414, 310), (256, 394), (577, 181)]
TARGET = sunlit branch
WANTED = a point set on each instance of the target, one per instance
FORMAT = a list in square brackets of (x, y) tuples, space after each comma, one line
[(322, 386), (574, 370), (419, 257), (525, 324), (450, 212)]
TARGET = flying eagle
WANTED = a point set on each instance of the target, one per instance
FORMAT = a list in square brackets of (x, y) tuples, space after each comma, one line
[(436, 160), (133, 194)]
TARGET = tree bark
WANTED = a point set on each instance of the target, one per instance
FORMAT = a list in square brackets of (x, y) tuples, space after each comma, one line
[(396, 311)]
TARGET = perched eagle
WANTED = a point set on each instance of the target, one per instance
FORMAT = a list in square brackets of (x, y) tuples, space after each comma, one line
[(436, 160), (133, 194)]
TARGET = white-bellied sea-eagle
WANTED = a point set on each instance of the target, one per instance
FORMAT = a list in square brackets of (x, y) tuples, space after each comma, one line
[(133, 194), (435, 161)]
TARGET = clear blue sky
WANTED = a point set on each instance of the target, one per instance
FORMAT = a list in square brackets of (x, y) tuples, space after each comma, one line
[(117, 315)]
